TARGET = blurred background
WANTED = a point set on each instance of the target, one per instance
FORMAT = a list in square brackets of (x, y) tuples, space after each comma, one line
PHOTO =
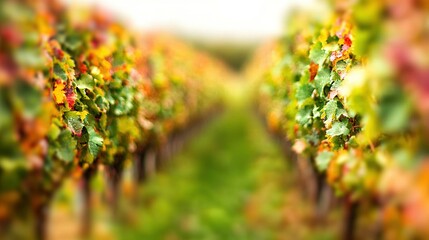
[(215, 119), (228, 30)]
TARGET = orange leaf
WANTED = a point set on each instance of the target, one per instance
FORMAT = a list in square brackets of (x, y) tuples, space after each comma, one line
[(313, 70)]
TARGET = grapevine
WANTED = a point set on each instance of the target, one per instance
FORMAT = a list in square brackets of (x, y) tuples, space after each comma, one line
[(336, 90), (82, 92)]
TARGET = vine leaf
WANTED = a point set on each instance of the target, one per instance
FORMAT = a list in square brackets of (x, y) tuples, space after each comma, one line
[(304, 91), (95, 141), (59, 93), (59, 72), (70, 97), (67, 145), (74, 122), (314, 68), (323, 160), (330, 111), (322, 79), (317, 54), (303, 116), (338, 129), (86, 81)]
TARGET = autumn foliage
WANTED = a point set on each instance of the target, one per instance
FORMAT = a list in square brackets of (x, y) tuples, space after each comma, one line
[(79, 89), (341, 90)]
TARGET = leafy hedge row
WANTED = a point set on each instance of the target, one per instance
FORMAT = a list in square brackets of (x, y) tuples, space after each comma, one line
[(351, 93), (78, 88)]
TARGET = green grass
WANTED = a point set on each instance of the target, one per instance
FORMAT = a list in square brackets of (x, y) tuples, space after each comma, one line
[(230, 182)]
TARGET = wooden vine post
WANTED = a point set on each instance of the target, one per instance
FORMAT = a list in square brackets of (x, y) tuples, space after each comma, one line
[(41, 212), (351, 207), (87, 210), (140, 164), (114, 173)]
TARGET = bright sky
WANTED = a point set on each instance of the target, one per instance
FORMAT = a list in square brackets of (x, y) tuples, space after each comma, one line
[(218, 19)]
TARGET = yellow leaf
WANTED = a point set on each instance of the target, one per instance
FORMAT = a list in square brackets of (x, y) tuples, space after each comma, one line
[(324, 34), (82, 114), (59, 93), (95, 70)]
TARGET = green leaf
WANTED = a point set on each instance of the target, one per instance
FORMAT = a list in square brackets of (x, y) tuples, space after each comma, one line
[(353, 142), (101, 103), (336, 78), (394, 110), (27, 98), (303, 116), (73, 41), (341, 112), (66, 146), (337, 142), (317, 54), (95, 141), (323, 78), (30, 57), (118, 59), (85, 156), (341, 65), (122, 102), (338, 129), (323, 160), (59, 72), (330, 111), (91, 105), (116, 83), (86, 81), (13, 172), (304, 91), (53, 132), (316, 112), (74, 122)]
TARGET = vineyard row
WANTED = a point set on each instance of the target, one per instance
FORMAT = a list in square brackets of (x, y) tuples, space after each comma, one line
[(80, 91), (349, 96)]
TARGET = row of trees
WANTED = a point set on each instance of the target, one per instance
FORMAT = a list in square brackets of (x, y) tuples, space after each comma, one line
[(350, 94), (80, 90)]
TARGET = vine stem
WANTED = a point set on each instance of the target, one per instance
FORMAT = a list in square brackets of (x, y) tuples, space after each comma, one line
[(88, 174), (350, 218)]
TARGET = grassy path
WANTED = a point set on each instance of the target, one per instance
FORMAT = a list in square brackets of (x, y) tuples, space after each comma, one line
[(230, 182)]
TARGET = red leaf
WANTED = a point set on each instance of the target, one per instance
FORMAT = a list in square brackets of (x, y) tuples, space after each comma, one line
[(347, 43), (82, 68), (11, 35), (71, 97), (98, 39), (59, 54)]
